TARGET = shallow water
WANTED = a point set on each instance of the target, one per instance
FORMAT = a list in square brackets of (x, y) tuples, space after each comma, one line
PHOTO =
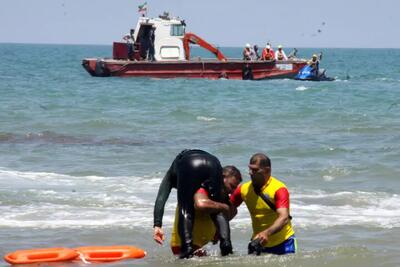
[(81, 158)]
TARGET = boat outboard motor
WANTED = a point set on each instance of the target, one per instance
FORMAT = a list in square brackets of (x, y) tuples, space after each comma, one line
[(307, 73)]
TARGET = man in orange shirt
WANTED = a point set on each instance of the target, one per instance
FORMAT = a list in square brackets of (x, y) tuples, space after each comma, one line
[(268, 53)]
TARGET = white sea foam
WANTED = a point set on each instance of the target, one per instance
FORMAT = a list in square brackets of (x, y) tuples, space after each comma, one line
[(302, 88), (117, 202), (337, 79), (328, 178), (373, 209), (15, 179), (383, 79), (322, 209), (203, 118)]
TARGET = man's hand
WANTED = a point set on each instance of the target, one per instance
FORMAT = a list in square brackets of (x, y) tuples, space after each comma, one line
[(279, 223), (263, 237), (158, 235)]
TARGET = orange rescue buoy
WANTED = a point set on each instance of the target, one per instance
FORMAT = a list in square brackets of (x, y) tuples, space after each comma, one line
[(110, 253), (40, 255)]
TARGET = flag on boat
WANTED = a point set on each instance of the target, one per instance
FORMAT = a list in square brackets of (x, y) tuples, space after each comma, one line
[(143, 8)]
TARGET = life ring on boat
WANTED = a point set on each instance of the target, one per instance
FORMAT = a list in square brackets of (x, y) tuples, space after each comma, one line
[(40, 255), (109, 253)]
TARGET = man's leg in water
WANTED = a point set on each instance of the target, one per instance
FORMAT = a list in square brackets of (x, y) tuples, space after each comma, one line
[(185, 227), (224, 233), (219, 219), (188, 183)]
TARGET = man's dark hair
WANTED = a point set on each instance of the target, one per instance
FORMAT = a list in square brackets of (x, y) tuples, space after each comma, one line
[(261, 159), (231, 170)]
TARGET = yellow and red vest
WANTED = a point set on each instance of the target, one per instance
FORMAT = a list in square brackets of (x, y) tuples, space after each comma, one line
[(203, 229), (262, 216)]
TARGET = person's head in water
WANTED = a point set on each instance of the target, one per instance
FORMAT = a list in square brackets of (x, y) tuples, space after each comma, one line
[(259, 170), (232, 178)]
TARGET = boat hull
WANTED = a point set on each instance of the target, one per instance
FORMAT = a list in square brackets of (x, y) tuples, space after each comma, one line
[(209, 69)]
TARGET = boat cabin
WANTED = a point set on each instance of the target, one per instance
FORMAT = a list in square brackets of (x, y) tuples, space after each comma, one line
[(168, 39)]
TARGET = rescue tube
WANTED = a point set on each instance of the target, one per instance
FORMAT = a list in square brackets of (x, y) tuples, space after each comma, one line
[(40, 255), (109, 253)]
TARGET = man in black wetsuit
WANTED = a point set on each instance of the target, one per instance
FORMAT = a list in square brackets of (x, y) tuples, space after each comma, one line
[(191, 170)]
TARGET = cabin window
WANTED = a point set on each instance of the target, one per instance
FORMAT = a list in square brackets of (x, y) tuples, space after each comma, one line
[(171, 52), (177, 30)]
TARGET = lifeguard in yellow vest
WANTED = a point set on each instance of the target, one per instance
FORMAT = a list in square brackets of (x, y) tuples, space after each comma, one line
[(267, 200)]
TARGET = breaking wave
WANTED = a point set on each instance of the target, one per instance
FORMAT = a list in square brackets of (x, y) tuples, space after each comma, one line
[(95, 201)]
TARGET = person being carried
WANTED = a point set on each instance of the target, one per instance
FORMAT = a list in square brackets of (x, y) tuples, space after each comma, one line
[(191, 170), (267, 200), (267, 53), (204, 230), (280, 54)]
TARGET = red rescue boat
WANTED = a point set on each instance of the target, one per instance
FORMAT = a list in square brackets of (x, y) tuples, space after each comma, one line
[(159, 48)]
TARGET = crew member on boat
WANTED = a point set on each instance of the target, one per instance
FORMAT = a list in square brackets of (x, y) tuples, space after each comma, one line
[(248, 53), (267, 53), (280, 54), (130, 41), (256, 55), (151, 44)]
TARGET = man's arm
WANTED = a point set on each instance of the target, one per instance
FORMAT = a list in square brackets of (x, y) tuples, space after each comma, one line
[(162, 196), (236, 200), (282, 209), (204, 203), (279, 223)]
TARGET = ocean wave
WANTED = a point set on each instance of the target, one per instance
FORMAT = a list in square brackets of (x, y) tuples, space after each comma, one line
[(320, 208), (25, 179), (386, 79), (323, 209), (63, 216), (302, 88), (203, 118), (40, 199), (337, 79)]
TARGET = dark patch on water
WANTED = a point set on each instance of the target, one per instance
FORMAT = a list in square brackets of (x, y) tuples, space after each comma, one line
[(49, 137)]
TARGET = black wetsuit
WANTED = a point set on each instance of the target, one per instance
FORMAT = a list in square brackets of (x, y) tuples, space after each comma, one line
[(191, 170)]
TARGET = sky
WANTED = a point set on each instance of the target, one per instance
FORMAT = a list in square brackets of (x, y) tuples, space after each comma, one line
[(291, 23)]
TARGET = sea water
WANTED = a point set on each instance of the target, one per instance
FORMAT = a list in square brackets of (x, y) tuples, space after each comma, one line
[(81, 158)]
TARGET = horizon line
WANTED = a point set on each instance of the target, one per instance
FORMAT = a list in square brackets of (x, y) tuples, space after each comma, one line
[(306, 47)]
